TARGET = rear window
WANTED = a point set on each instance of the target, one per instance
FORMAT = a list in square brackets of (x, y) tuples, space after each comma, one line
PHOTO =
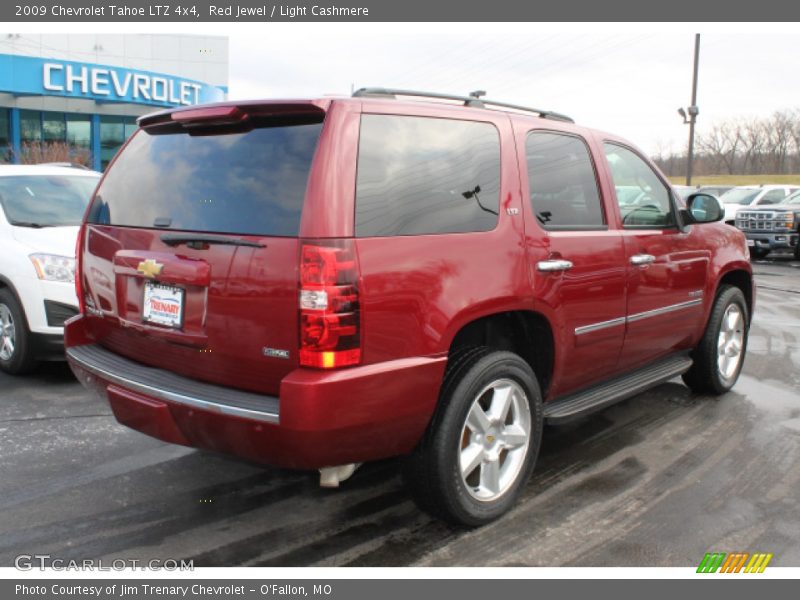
[(249, 183), (420, 175)]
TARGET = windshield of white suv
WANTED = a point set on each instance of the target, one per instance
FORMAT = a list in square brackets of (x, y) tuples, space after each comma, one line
[(743, 197), (45, 200), (791, 199)]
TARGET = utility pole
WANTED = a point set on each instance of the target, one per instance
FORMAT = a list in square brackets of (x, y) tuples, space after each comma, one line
[(693, 111)]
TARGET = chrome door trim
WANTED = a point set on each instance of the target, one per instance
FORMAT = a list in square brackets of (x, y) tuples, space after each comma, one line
[(599, 326), (583, 329), (663, 310)]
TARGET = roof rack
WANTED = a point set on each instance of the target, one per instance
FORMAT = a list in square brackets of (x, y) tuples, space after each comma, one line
[(474, 100)]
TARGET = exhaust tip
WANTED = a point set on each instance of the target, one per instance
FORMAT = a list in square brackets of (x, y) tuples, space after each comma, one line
[(331, 477)]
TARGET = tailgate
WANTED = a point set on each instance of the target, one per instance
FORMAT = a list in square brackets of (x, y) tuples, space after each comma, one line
[(190, 251)]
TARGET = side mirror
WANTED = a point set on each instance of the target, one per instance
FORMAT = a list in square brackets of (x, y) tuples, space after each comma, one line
[(702, 208)]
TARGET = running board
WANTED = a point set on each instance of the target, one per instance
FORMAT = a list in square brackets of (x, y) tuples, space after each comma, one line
[(615, 390)]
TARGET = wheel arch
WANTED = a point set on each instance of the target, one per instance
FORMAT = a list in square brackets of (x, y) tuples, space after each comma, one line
[(742, 279), (524, 332), (5, 283)]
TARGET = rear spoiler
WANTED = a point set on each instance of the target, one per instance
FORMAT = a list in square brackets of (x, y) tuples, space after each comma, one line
[(210, 115)]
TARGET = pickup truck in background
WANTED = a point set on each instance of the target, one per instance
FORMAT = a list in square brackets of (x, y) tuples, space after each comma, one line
[(773, 227)]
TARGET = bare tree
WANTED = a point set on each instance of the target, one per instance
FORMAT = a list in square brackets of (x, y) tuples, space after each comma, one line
[(721, 145), (794, 132), (754, 135), (778, 136)]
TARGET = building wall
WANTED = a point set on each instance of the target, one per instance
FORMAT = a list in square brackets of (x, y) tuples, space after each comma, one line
[(200, 57), (100, 127)]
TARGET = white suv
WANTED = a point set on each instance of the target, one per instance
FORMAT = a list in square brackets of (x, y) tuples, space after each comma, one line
[(752, 195), (40, 210)]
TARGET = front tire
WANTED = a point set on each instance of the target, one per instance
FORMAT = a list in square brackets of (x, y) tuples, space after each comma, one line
[(482, 443), (719, 356), (758, 253), (16, 351)]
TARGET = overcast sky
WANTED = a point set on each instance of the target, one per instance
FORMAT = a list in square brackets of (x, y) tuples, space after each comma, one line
[(631, 83)]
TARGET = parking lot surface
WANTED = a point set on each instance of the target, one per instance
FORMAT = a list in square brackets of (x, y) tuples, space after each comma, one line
[(657, 480)]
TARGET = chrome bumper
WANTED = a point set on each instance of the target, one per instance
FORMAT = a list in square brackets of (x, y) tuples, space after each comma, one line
[(167, 386)]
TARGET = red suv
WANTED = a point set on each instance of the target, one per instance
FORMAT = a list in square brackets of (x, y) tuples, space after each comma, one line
[(317, 283)]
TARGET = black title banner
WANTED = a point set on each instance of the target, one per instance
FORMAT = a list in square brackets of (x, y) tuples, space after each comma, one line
[(398, 589), (401, 10)]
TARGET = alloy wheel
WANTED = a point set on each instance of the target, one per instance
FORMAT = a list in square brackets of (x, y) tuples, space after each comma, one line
[(730, 343), (494, 440), (7, 333)]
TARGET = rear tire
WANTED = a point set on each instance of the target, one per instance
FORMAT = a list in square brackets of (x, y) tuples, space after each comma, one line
[(719, 356), (481, 445), (16, 349)]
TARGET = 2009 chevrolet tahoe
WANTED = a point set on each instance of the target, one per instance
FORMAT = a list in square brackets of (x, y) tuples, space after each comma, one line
[(318, 283)]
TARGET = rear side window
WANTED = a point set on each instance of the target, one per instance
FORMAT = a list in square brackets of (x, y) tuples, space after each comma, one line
[(247, 183), (562, 181), (420, 175)]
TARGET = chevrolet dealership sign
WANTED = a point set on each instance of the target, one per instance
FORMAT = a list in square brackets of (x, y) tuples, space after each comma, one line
[(29, 76)]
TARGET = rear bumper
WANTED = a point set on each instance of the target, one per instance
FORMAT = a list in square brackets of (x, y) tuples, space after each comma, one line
[(96, 361), (322, 418)]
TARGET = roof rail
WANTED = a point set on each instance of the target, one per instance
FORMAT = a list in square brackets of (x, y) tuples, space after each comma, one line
[(473, 100)]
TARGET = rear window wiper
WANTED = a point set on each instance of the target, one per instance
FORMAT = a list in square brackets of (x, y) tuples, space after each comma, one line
[(198, 240)]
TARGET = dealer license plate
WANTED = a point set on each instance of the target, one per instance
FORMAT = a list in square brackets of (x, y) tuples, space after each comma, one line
[(163, 304)]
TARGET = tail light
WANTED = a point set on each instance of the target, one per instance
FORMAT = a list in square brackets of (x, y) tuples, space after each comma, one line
[(330, 318), (79, 270)]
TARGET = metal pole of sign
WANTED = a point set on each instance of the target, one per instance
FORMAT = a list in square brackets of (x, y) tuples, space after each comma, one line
[(693, 111)]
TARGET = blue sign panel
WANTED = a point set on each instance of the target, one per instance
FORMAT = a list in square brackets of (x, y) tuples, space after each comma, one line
[(33, 76)]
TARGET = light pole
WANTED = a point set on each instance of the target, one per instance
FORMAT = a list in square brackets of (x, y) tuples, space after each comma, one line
[(692, 111)]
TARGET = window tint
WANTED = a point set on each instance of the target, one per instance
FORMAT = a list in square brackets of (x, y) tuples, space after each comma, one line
[(651, 206), (248, 183), (563, 186), (418, 175)]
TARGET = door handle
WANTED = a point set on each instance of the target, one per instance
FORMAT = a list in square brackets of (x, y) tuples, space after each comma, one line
[(553, 266), (642, 259)]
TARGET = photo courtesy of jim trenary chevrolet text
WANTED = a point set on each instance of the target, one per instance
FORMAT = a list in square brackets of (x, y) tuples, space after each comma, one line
[(470, 298)]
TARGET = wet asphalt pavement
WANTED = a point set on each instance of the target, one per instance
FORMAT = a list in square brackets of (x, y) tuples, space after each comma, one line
[(657, 480)]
